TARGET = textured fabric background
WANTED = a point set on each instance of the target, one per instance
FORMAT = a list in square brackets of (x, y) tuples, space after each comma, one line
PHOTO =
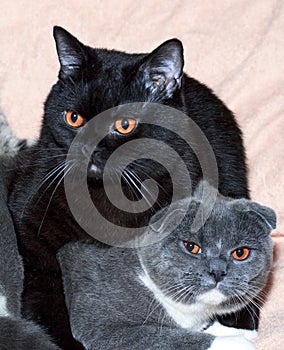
[(234, 46)]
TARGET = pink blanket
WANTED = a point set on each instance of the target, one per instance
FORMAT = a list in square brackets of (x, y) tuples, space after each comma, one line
[(234, 46)]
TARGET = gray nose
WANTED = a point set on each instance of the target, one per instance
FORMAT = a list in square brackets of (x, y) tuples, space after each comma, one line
[(218, 275), (218, 269)]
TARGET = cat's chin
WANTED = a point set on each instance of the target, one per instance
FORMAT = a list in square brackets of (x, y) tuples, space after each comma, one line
[(211, 297), (94, 171), (95, 174)]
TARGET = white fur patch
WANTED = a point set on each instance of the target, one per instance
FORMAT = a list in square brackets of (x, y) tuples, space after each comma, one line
[(218, 330), (212, 297), (194, 316), (232, 343), (3, 306)]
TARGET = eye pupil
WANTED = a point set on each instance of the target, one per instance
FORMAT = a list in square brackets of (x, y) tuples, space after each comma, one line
[(239, 253), (74, 117), (192, 247), (125, 124)]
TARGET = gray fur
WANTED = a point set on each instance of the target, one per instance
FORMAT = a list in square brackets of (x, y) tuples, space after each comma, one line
[(11, 272), (9, 143), (19, 334), (15, 332), (111, 306)]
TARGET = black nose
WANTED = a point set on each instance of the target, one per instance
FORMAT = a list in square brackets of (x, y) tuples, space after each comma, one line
[(87, 151), (91, 154), (95, 161), (97, 157)]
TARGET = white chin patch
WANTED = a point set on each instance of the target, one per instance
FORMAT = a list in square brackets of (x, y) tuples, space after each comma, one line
[(212, 297)]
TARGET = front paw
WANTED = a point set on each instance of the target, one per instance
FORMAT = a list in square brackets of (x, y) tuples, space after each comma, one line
[(232, 343), (218, 330)]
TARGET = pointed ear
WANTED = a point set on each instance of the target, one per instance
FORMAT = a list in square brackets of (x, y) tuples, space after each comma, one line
[(70, 52), (163, 68)]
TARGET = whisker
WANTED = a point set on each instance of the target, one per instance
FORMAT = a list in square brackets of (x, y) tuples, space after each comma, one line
[(133, 193), (59, 173), (145, 188), (137, 188), (51, 197), (184, 293), (141, 167), (45, 178), (151, 310)]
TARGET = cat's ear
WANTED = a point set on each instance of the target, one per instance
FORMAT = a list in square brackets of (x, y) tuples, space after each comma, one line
[(204, 192), (265, 215), (163, 68), (70, 52), (168, 218)]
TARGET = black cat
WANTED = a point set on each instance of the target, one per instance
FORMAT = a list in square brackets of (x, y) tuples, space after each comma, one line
[(90, 82)]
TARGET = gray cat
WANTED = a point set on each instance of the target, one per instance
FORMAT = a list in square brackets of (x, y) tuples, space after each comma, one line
[(168, 295), (15, 332)]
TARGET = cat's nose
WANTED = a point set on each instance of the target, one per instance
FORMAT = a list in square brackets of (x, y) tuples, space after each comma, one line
[(218, 269), (97, 154), (218, 275), (93, 155), (88, 152)]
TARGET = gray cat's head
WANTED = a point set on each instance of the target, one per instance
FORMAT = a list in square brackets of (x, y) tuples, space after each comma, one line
[(224, 263)]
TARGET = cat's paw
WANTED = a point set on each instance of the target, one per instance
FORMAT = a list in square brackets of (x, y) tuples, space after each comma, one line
[(218, 330), (233, 343)]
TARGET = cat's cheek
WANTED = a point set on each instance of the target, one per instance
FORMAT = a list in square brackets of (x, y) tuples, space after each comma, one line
[(232, 343)]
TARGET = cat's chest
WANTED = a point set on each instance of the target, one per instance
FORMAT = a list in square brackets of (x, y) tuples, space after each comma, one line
[(194, 316)]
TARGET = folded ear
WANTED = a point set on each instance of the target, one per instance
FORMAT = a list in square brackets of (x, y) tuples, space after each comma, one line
[(70, 52), (266, 214), (163, 68), (168, 218)]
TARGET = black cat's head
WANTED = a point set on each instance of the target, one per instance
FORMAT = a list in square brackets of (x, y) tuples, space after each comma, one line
[(225, 263), (94, 80)]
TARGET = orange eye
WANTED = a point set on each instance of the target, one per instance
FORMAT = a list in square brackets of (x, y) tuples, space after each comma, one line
[(125, 125), (192, 247), (241, 254), (74, 119)]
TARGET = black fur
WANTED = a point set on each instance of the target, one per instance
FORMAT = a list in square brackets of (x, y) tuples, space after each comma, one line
[(91, 81)]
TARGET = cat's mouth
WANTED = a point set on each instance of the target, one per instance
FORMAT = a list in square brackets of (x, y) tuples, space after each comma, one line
[(97, 175), (94, 171)]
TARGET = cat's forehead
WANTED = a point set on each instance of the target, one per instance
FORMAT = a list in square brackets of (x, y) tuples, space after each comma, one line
[(116, 58), (106, 78), (223, 226)]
